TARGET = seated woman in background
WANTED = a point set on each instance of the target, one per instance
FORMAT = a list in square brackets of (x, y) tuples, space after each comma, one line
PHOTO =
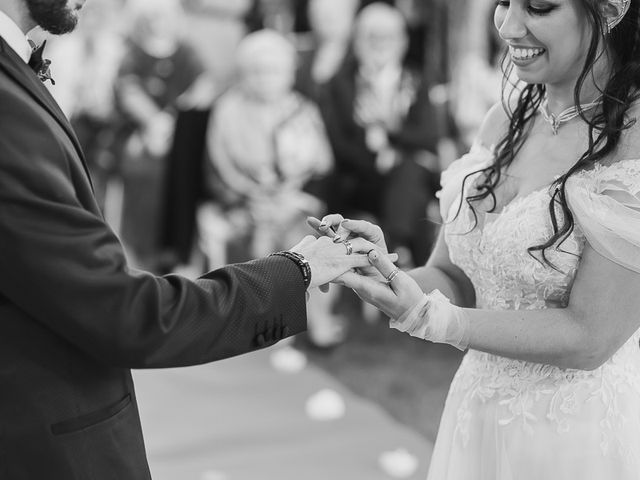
[(159, 71), (331, 23), (265, 143)]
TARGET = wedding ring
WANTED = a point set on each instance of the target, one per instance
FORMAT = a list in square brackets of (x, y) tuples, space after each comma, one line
[(393, 275), (349, 247)]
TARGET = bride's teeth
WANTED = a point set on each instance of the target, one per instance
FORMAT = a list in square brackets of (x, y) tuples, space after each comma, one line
[(525, 53)]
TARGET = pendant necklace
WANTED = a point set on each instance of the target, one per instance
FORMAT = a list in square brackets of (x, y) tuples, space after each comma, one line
[(566, 115)]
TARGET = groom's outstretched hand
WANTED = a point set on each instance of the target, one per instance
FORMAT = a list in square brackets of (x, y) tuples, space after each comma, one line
[(329, 260)]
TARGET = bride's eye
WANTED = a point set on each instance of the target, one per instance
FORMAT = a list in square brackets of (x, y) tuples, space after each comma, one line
[(502, 3), (543, 9)]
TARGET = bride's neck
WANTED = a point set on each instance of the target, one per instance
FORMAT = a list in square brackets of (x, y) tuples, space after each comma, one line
[(559, 99), (562, 95)]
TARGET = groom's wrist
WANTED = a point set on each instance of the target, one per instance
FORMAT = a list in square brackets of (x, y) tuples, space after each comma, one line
[(301, 263)]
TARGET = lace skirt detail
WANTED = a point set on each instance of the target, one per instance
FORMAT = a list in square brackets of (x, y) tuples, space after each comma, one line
[(511, 420)]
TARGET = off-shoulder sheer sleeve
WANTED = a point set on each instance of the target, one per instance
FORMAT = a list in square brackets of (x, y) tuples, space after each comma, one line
[(606, 205), (451, 179)]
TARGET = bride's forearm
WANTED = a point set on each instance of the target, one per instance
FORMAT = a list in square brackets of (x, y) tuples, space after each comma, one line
[(551, 336), (458, 290)]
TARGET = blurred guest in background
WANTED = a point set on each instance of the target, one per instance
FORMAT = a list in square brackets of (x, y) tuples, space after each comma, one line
[(214, 28), (477, 78), (159, 74), (415, 13), (382, 128), (331, 23), (95, 49), (265, 143), (272, 14)]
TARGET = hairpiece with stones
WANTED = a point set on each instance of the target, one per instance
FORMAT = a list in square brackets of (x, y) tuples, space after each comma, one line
[(622, 7)]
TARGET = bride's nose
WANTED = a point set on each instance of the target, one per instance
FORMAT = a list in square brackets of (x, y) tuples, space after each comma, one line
[(511, 24)]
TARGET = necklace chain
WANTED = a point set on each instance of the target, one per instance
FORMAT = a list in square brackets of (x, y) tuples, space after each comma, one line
[(566, 115)]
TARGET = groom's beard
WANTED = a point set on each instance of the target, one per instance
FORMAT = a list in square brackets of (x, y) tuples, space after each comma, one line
[(54, 16)]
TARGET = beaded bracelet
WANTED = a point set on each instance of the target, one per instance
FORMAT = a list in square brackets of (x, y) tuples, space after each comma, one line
[(300, 261)]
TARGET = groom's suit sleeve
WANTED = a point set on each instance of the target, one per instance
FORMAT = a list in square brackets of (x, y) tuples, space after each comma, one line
[(64, 267)]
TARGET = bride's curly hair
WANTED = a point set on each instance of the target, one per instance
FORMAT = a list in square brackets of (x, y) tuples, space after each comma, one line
[(605, 127)]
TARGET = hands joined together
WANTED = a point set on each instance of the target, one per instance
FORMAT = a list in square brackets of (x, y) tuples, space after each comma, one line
[(353, 253)]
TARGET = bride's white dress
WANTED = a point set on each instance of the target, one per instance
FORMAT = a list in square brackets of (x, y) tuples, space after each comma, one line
[(507, 419)]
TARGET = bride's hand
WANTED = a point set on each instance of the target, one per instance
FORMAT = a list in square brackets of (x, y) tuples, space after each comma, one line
[(427, 316), (396, 295), (338, 228)]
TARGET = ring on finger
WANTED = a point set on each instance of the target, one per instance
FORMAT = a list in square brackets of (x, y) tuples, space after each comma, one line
[(394, 273), (348, 246)]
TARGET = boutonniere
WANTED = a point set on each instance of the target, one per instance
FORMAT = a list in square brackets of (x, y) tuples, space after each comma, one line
[(41, 66)]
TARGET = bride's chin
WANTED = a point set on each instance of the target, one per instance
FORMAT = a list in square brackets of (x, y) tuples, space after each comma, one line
[(529, 77)]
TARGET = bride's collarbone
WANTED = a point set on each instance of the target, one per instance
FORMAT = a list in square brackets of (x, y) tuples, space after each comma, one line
[(540, 161), (542, 158), (506, 193)]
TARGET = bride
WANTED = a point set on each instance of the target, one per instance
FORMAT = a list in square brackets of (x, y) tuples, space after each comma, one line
[(540, 258)]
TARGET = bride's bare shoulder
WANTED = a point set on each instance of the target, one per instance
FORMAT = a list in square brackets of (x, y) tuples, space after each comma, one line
[(494, 126)]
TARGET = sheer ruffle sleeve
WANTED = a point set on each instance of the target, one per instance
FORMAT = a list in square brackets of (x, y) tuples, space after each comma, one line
[(451, 179), (605, 202)]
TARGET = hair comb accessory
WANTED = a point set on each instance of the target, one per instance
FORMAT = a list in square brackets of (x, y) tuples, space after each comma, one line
[(622, 7)]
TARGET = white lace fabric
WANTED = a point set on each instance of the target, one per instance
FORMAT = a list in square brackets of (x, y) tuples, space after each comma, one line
[(509, 419), (606, 203)]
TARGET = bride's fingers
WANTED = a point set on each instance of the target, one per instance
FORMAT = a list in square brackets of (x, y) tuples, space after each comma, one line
[(384, 266), (336, 234), (360, 282), (367, 287), (371, 291), (401, 283), (314, 223), (361, 245), (362, 228), (332, 220), (325, 231), (330, 225)]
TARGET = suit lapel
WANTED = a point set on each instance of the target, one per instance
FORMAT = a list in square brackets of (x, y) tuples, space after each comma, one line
[(22, 74)]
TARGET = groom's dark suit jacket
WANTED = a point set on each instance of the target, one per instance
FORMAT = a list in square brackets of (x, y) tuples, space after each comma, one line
[(74, 318)]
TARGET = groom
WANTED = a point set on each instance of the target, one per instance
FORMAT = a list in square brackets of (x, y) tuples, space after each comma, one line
[(74, 318)]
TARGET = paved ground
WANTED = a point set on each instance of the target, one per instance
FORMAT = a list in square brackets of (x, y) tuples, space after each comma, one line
[(244, 419), (407, 377)]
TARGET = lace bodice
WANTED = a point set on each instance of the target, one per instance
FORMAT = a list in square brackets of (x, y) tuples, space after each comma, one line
[(494, 256)]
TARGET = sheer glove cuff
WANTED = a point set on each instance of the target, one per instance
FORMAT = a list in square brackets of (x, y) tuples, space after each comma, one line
[(434, 318)]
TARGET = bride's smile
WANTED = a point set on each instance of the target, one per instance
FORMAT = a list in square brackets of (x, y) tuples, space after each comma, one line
[(547, 40)]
